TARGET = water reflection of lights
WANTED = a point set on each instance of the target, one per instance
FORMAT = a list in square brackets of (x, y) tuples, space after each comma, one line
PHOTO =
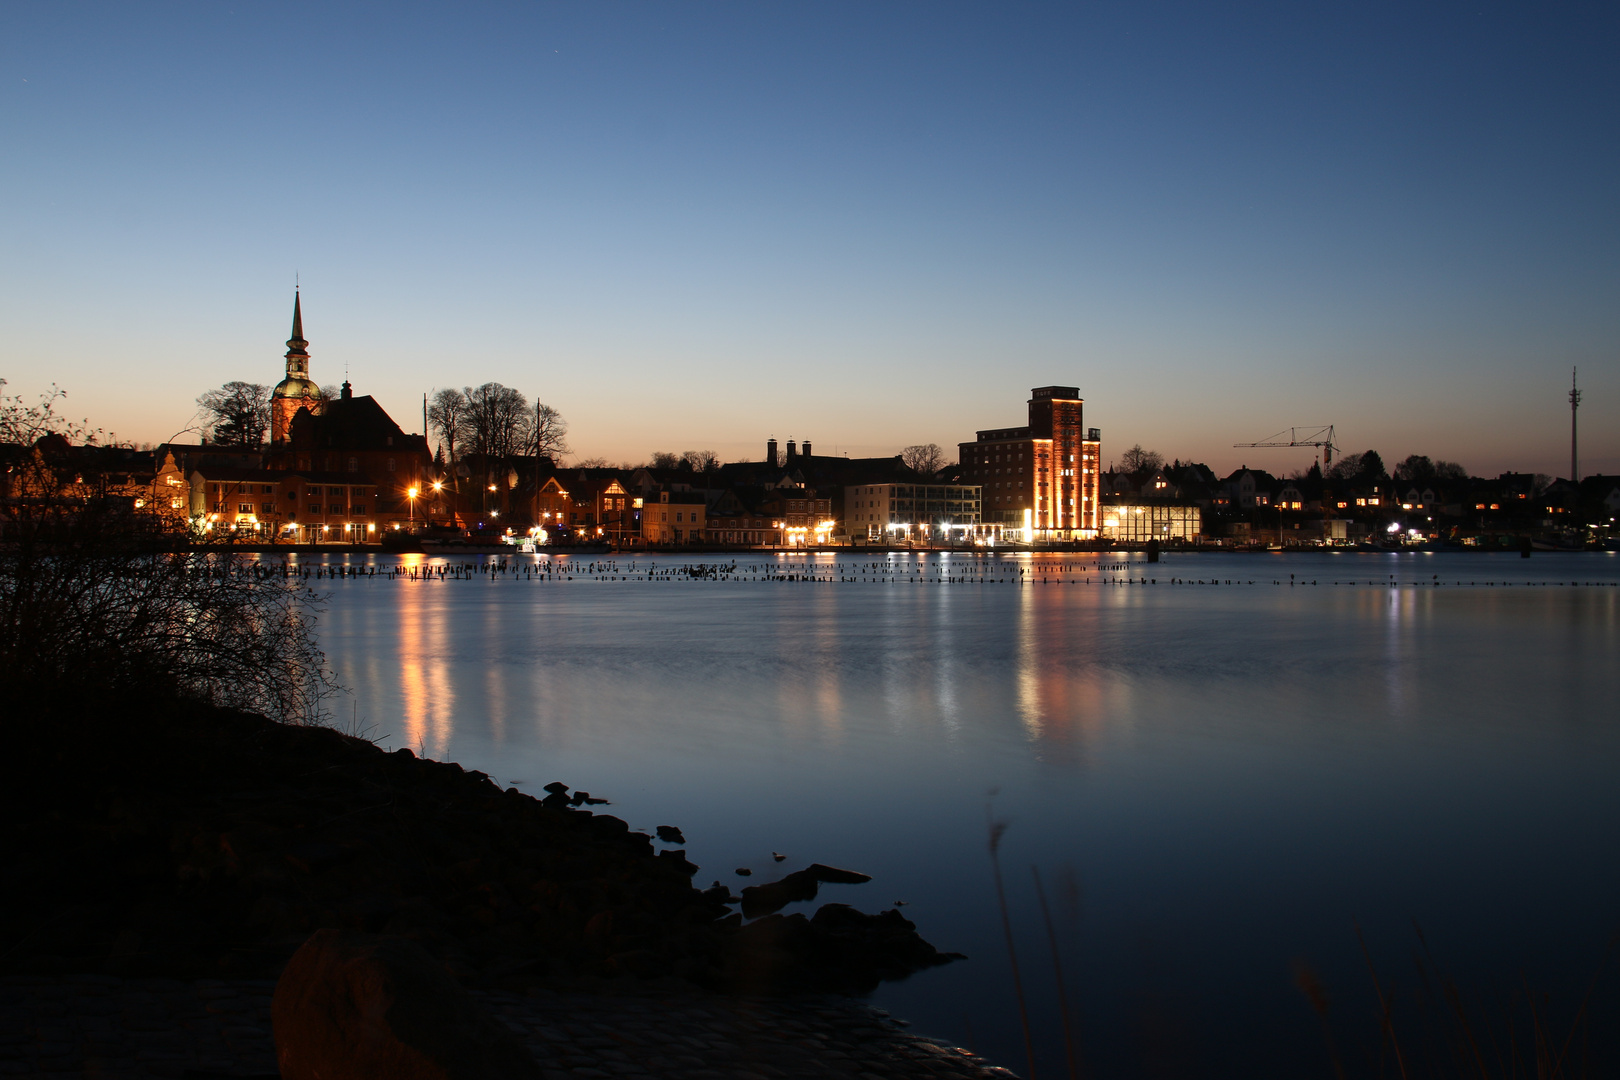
[(427, 693), (1029, 661)]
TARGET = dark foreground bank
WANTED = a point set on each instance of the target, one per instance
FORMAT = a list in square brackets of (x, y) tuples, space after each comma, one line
[(134, 1029), (187, 842)]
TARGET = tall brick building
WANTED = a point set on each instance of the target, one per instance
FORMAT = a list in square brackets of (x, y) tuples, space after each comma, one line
[(1042, 476)]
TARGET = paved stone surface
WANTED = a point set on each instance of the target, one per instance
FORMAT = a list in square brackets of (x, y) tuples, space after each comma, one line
[(112, 1029)]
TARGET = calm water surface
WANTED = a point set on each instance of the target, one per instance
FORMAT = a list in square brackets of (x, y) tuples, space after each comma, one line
[(1217, 782)]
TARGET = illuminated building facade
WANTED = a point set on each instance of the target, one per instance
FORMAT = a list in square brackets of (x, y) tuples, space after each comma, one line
[(801, 515), (674, 517), (1041, 478), (280, 504), (912, 511), (731, 521), (1139, 522)]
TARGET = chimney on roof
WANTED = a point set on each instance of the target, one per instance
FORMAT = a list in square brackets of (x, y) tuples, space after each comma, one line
[(770, 453), (792, 453), (806, 450), (348, 391)]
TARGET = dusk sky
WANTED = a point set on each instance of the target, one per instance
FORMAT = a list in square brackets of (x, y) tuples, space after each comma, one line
[(695, 226)]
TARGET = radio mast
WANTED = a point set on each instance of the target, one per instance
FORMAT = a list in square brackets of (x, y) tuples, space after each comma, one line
[(1574, 403)]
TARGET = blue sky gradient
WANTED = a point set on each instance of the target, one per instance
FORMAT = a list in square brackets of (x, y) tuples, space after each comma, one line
[(868, 225)]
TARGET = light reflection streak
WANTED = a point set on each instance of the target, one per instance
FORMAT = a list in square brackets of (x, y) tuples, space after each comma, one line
[(828, 693), (947, 668), (427, 695), (1028, 668), (1398, 615)]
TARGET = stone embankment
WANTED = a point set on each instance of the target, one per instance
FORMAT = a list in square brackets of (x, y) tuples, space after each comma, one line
[(131, 1029), (169, 859)]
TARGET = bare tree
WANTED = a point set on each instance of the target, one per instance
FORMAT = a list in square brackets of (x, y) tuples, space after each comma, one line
[(591, 463), (1137, 460), (548, 433), (240, 411), (447, 414), (701, 460), (665, 459), (926, 458), (23, 425), (498, 421), (94, 596)]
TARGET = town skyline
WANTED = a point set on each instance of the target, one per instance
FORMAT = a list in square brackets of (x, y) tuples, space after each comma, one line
[(869, 229), (199, 425)]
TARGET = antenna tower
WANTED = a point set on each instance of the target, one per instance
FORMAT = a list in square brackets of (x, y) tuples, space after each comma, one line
[(1574, 403)]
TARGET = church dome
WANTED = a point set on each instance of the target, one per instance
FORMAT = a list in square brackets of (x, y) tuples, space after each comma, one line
[(295, 387)]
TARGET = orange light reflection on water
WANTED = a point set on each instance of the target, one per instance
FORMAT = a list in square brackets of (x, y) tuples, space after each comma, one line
[(427, 697)]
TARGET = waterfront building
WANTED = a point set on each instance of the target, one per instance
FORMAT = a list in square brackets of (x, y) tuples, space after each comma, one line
[(1040, 479), (1137, 522), (54, 478), (674, 517), (1250, 488), (800, 514), (603, 507), (270, 504), (910, 511), (737, 518), (553, 506)]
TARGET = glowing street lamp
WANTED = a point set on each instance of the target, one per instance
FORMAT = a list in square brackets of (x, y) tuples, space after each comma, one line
[(411, 495)]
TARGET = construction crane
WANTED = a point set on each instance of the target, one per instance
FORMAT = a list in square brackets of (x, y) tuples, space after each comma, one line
[(1319, 437)]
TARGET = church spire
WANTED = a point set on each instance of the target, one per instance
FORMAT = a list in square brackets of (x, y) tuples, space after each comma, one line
[(295, 392), (297, 356)]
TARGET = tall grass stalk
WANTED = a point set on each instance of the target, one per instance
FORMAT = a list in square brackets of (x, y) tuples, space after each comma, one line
[(996, 829), (1070, 1051), (1386, 1005), (1546, 1056)]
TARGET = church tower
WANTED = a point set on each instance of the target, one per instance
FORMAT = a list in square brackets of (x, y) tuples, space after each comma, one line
[(295, 391)]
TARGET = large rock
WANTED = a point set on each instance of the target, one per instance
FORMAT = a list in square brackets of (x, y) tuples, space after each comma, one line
[(803, 884), (351, 1006), (838, 951)]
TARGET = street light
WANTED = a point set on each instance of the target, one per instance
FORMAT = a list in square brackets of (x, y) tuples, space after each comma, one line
[(411, 495)]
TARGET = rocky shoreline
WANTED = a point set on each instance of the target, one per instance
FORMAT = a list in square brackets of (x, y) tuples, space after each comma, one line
[(183, 841)]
